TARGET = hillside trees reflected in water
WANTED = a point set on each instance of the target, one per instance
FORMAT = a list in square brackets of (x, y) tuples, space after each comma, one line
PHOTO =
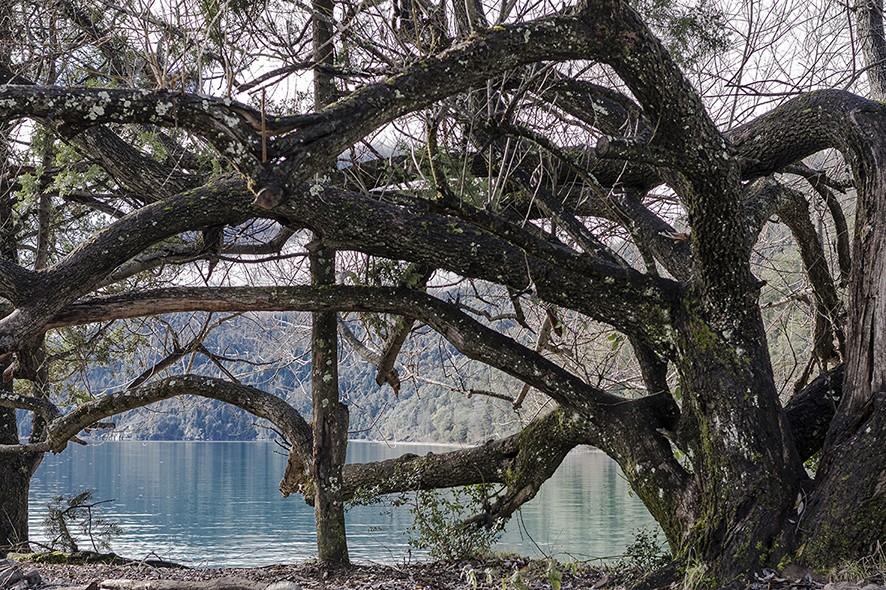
[(216, 504)]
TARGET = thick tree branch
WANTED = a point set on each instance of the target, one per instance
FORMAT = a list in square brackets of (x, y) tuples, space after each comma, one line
[(259, 403), (468, 335), (799, 128), (603, 108), (522, 461), (15, 281), (89, 264), (148, 178), (232, 128), (600, 289), (40, 406)]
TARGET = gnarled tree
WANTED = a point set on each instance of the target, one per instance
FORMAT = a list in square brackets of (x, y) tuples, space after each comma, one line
[(531, 175)]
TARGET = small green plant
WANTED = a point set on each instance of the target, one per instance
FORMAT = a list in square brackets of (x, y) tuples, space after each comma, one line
[(695, 576), (472, 576), (515, 582), (70, 516), (812, 462), (647, 553), (554, 575), (871, 568), (439, 522)]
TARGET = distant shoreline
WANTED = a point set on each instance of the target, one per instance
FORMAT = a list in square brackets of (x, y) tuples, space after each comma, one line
[(389, 443)]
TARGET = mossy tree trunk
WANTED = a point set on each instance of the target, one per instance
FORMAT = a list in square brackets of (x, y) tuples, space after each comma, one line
[(330, 422), (330, 426), (846, 517), (15, 473)]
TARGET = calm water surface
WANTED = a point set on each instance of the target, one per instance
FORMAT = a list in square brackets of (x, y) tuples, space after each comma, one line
[(216, 504)]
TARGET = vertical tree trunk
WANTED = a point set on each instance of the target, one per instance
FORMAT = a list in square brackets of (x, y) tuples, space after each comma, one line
[(869, 17), (746, 467), (330, 421), (846, 518), (15, 473), (330, 415), (15, 469)]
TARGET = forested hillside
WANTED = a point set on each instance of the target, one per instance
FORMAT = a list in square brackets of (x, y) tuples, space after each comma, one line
[(428, 408)]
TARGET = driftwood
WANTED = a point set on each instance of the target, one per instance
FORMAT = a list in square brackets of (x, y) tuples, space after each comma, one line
[(13, 578)]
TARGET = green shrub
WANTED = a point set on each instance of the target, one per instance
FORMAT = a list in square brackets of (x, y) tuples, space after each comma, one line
[(439, 525), (645, 555)]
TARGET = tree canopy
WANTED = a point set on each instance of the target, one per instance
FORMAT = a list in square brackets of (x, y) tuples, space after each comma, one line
[(604, 173)]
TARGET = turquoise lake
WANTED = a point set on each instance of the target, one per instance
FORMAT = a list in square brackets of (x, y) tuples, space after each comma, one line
[(211, 504)]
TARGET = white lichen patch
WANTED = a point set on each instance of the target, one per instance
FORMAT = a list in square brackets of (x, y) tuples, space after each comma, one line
[(95, 112)]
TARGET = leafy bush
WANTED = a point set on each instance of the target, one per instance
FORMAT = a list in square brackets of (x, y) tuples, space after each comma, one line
[(645, 555), (439, 522)]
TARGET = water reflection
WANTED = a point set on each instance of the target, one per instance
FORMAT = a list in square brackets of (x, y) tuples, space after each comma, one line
[(217, 504)]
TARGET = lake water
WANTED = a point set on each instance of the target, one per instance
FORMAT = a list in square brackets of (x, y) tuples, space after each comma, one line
[(216, 504)]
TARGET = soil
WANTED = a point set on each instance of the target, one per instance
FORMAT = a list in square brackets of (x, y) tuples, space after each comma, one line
[(511, 573), (310, 576)]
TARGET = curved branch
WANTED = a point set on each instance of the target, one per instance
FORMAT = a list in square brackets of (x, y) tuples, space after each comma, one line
[(256, 402), (606, 109), (522, 461), (799, 128), (829, 318), (40, 406), (84, 268), (259, 403), (822, 185), (465, 333), (487, 247), (232, 128)]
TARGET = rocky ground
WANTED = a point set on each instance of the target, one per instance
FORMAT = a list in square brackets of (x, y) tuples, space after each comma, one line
[(505, 573)]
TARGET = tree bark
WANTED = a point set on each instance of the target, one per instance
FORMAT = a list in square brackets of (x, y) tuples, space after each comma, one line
[(869, 17), (847, 513), (16, 470), (330, 421), (330, 415)]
